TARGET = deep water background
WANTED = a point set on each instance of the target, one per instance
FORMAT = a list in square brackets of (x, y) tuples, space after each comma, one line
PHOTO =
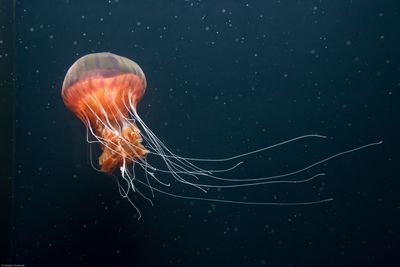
[(224, 77)]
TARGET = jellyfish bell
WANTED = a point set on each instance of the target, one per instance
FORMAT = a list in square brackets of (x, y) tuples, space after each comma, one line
[(97, 88), (104, 89)]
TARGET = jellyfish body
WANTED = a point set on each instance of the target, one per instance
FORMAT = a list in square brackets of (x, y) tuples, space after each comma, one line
[(104, 89), (96, 88)]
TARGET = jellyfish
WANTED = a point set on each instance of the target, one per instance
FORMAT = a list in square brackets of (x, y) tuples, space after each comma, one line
[(103, 90)]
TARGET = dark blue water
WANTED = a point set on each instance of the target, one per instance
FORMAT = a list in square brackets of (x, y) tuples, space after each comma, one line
[(224, 77)]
